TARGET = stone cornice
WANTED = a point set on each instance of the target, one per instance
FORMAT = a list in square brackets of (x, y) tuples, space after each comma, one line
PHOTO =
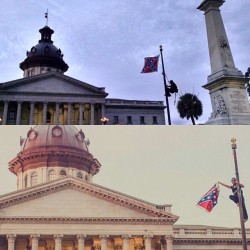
[(89, 188), (82, 220)]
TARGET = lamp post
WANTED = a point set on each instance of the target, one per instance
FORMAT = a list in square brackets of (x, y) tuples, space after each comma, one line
[(243, 231), (104, 120)]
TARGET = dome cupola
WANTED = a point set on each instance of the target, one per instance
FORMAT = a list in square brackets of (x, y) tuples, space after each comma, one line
[(51, 152), (44, 57)]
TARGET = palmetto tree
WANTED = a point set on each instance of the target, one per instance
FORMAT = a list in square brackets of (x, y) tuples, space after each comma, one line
[(189, 106)]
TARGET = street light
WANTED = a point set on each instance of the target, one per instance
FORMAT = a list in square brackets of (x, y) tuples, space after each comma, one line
[(243, 231), (104, 120)]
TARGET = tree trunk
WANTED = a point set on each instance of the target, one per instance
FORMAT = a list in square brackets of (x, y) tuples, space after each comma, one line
[(192, 118)]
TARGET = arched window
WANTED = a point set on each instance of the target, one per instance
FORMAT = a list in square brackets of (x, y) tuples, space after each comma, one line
[(26, 181), (62, 173), (79, 175), (33, 179), (52, 175)]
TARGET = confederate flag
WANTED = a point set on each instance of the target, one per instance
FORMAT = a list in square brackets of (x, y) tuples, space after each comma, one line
[(150, 64), (209, 200)]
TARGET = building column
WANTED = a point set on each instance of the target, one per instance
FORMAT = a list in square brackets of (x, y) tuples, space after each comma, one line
[(69, 114), (44, 112), (169, 240), (92, 114), (147, 239), (32, 108), (81, 240), (104, 241), (103, 110), (80, 114), (125, 241), (18, 115), (11, 241), (5, 112), (34, 241), (58, 241), (57, 112)]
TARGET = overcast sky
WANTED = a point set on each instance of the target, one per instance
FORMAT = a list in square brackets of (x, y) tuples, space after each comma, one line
[(164, 165), (105, 42)]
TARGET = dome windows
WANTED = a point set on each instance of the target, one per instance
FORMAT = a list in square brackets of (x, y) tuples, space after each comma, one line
[(46, 49), (52, 175), (62, 173), (33, 179)]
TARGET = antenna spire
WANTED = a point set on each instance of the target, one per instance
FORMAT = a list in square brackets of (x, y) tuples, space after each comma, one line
[(47, 17)]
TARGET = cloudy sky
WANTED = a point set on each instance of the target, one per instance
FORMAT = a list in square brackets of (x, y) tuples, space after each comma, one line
[(105, 42), (165, 165)]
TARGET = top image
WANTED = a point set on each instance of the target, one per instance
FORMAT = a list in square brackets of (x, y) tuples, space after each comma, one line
[(124, 63)]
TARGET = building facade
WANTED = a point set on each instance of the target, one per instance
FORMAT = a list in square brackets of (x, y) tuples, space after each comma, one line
[(46, 96), (57, 206)]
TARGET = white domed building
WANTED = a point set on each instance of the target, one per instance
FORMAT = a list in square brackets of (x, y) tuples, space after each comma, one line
[(57, 206)]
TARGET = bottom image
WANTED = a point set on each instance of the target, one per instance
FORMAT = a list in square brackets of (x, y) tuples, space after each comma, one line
[(124, 187)]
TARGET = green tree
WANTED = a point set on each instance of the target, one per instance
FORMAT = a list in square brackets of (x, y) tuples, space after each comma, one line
[(189, 106)]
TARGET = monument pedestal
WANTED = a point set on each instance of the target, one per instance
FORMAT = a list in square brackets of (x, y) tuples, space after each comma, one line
[(229, 101)]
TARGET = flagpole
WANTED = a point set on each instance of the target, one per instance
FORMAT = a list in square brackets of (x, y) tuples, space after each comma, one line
[(243, 231), (165, 86)]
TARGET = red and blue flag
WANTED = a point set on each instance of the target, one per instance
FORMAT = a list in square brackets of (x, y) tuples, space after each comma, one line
[(210, 199), (150, 64)]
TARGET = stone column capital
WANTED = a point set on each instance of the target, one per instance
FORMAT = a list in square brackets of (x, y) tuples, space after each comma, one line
[(81, 236), (169, 237), (103, 236), (148, 236), (58, 236), (35, 236), (11, 236), (126, 236)]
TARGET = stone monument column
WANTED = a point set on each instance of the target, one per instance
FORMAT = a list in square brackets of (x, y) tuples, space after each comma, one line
[(104, 241), (58, 241), (5, 112), (11, 241), (125, 241), (31, 118), (35, 239), (169, 239), (147, 239), (226, 84), (19, 110), (81, 239)]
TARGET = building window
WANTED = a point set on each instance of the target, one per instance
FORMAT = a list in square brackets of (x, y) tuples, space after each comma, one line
[(12, 115), (142, 119), (79, 175), (26, 181), (62, 173), (129, 119), (155, 120), (52, 175), (116, 119), (48, 118), (33, 179)]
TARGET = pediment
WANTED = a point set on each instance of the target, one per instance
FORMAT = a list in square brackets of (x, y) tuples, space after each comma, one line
[(71, 198), (51, 83)]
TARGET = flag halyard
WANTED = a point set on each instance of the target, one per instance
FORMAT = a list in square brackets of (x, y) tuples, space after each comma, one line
[(210, 199)]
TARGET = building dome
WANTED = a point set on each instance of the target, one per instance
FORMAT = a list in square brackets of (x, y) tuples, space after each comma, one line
[(51, 152), (44, 56)]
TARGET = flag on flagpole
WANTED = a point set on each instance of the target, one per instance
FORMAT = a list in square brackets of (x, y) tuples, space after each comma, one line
[(210, 199), (46, 15), (150, 64)]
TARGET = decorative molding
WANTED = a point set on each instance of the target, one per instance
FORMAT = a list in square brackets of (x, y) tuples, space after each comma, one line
[(81, 220)]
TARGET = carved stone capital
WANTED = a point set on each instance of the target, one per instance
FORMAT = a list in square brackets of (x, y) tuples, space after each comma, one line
[(11, 237), (35, 236), (81, 236), (103, 236), (169, 237), (58, 236), (148, 236), (126, 236)]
